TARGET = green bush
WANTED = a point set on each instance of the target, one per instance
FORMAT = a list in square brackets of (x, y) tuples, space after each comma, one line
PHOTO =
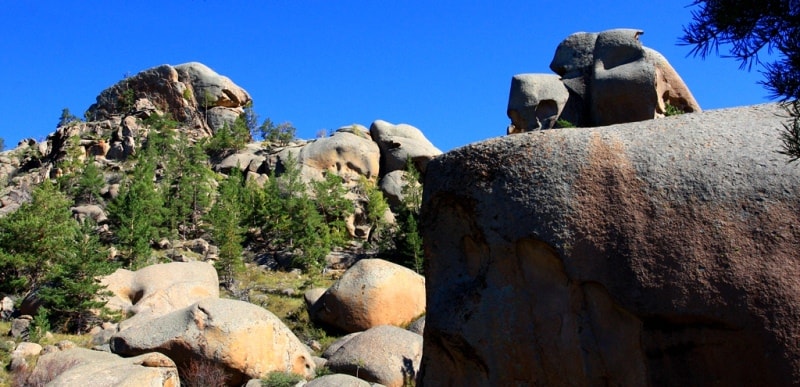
[(281, 379)]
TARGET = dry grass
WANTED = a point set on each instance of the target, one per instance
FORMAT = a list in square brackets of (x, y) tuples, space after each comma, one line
[(202, 373), (281, 293)]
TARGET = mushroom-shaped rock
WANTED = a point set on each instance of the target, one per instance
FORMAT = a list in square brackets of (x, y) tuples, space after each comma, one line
[(84, 367), (535, 102), (401, 142), (245, 340), (156, 290), (384, 354), (370, 293)]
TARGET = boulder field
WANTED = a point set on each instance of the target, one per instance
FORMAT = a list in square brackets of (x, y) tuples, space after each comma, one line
[(661, 252)]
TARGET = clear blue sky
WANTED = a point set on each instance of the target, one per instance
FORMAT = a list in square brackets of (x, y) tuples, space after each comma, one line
[(442, 66)]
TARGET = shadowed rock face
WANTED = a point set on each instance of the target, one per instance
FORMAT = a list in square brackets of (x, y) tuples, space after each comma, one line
[(655, 253)]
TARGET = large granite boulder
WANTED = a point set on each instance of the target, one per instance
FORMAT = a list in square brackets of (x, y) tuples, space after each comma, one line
[(384, 354), (156, 290), (401, 142), (349, 154), (661, 252), (245, 340), (84, 367), (370, 293)]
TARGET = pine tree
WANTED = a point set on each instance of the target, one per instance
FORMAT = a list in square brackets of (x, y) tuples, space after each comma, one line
[(136, 213), (33, 239), (227, 232), (45, 252), (333, 205), (89, 184), (408, 240), (72, 285)]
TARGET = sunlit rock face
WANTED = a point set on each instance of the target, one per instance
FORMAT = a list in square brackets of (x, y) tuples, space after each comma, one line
[(661, 252)]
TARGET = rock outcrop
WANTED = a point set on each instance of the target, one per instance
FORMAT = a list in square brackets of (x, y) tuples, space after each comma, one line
[(605, 78), (191, 93), (401, 142), (157, 290), (661, 252), (372, 292), (84, 367), (246, 340)]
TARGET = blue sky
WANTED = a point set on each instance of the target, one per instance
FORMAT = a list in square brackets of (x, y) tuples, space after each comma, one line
[(444, 67)]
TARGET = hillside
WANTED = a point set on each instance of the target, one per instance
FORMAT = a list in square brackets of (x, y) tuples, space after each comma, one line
[(617, 235)]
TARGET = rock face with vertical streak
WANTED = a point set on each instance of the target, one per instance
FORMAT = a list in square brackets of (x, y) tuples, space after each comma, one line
[(661, 252)]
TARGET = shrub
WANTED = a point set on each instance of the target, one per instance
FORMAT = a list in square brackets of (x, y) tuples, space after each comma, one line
[(202, 373), (672, 110), (281, 379), (562, 123)]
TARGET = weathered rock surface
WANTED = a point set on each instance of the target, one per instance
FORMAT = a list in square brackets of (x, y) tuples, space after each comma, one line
[(662, 252), (372, 292), (84, 367), (535, 102), (399, 143), (346, 154), (338, 380), (384, 354), (246, 340), (160, 289)]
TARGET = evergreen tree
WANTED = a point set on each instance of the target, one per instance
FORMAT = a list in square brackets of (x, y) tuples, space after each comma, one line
[(226, 229), (89, 184), (34, 238), (290, 218), (376, 210), (408, 240), (66, 118), (72, 287), (230, 138), (281, 134), (45, 252), (136, 213), (333, 205)]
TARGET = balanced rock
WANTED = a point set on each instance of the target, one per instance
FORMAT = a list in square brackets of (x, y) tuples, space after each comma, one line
[(603, 78), (535, 102), (84, 367), (156, 290), (401, 142), (384, 354), (661, 252), (245, 340), (370, 293)]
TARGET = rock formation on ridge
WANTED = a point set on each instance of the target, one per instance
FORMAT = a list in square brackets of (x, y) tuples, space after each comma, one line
[(605, 78)]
